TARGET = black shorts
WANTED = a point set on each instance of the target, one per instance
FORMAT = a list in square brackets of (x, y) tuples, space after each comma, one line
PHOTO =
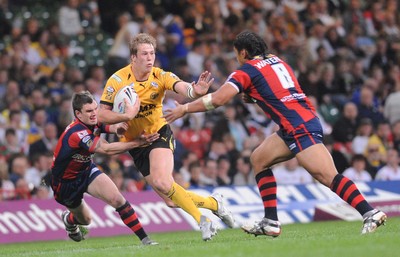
[(141, 155), (70, 192)]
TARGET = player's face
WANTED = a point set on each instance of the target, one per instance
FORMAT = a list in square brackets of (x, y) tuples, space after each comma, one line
[(145, 57), (240, 56), (88, 114)]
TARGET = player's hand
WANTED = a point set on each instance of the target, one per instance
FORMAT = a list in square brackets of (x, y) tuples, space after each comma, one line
[(173, 114), (121, 128), (146, 139), (248, 99), (131, 110), (203, 84)]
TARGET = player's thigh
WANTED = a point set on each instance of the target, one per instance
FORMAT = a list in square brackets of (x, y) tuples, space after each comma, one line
[(317, 160), (161, 162), (271, 151), (102, 187)]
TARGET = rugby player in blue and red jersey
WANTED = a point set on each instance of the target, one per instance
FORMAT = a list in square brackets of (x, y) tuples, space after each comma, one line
[(269, 82), (74, 172)]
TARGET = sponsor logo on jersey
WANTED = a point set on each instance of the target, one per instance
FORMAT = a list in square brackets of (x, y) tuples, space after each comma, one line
[(154, 84), (85, 139), (82, 134), (145, 111), (153, 96), (81, 158), (173, 75), (147, 107), (294, 96), (109, 93), (110, 89)]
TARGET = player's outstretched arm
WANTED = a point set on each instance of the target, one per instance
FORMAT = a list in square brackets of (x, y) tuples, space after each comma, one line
[(104, 147), (195, 90), (208, 102)]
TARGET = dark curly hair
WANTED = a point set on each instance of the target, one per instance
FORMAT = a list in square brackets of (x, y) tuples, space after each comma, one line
[(252, 43)]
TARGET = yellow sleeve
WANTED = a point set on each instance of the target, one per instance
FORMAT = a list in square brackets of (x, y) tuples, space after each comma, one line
[(110, 90), (168, 79)]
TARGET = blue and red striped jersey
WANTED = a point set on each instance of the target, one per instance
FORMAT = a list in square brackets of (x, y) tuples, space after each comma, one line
[(272, 83), (75, 148)]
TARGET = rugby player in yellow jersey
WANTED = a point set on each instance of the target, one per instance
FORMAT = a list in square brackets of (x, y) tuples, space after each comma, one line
[(155, 161)]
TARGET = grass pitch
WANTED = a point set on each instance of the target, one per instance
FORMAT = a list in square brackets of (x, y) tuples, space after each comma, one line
[(335, 238)]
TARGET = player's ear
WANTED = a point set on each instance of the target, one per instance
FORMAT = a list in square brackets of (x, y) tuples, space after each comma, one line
[(77, 112), (245, 54)]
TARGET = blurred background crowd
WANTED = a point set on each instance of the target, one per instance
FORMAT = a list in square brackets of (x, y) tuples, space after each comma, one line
[(344, 52)]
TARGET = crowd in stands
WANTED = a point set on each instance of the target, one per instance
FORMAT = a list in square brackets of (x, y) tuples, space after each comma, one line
[(345, 54)]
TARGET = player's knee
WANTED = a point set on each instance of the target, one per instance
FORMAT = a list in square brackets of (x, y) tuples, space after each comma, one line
[(162, 185), (116, 200), (256, 162), (170, 204)]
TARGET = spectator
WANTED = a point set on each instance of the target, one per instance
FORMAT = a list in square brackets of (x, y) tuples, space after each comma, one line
[(10, 145), (47, 143), (187, 159), (357, 170), (375, 159), (367, 108), (344, 130), (290, 172), (381, 138), (18, 167), (210, 172), (118, 55), (195, 58), (41, 165), (340, 160), (384, 56), (32, 29), (391, 171), (23, 190), (364, 131), (195, 174), (244, 175), (224, 170), (392, 104), (30, 54), (36, 131), (6, 186), (396, 135), (69, 20)]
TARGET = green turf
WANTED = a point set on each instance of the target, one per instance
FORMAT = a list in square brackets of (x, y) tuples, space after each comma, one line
[(336, 239)]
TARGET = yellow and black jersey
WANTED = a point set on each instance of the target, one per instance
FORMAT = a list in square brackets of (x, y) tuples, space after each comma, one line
[(151, 94)]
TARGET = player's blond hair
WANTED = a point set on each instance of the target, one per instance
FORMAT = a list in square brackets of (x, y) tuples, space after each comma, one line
[(141, 38)]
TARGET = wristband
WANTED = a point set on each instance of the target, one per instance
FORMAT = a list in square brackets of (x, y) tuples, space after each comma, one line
[(190, 91), (207, 101)]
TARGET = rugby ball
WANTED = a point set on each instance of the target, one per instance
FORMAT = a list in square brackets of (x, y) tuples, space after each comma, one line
[(127, 92)]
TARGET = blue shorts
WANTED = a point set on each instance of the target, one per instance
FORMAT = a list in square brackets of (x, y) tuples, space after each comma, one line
[(304, 136), (70, 192)]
